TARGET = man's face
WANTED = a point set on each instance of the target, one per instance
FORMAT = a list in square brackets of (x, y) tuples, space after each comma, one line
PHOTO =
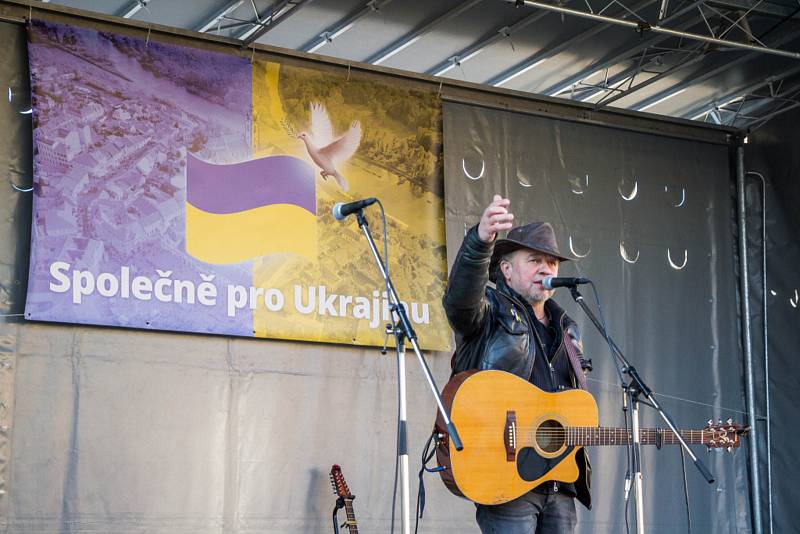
[(524, 271)]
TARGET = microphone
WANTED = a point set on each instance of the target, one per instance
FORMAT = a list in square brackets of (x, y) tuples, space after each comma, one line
[(551, 282), (342, 210)]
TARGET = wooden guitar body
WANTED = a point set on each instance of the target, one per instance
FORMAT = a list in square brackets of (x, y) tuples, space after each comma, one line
[(513, 435), (517, 436)]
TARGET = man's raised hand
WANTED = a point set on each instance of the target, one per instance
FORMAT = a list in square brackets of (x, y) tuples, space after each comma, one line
[(495, 218)]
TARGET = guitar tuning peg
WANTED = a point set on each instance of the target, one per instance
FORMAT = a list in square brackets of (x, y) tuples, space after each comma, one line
[(710, 422), (729, 421), (719, 421), (730, 448)]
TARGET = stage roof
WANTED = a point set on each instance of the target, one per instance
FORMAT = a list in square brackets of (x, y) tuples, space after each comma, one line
[(728, 62)]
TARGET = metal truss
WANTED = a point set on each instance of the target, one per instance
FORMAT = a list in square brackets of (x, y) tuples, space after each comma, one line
[(646, 55), (530, 63), (788, 101), (741, 107), (717, 38), (705, 75), (757, 6), (665, 47), (744, 113), (653, 60), (650, 61), (772, 83), (623, 84), (625, 53)]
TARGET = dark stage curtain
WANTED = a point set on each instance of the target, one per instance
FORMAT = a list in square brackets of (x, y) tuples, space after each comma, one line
[(649, 218), (773, 155)]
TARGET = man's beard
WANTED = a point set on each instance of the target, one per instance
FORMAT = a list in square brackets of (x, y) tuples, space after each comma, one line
[(534, 296)]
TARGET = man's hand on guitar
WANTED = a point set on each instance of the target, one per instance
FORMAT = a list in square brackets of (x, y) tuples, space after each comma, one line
[(495, 218)]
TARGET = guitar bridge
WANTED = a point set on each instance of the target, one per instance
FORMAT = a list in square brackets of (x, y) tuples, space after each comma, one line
[(510, 436)]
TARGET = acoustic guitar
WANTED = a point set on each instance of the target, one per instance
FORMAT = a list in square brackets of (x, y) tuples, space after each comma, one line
[(345, 498), (517, 436)]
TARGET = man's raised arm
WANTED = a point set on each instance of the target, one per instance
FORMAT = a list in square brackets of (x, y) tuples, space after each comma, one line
[(464, 300)]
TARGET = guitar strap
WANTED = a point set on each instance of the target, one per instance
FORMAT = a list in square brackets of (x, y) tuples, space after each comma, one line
[(575, 362)]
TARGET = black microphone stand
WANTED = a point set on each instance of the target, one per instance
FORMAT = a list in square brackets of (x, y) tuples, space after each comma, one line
[(633, 390), (403, 330)]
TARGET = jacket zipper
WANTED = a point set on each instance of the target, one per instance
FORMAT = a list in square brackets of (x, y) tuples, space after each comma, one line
[(541, 345), (561, 345), (539, 341)]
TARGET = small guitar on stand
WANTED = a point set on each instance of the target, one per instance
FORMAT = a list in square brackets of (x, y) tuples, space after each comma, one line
[(344, 500)]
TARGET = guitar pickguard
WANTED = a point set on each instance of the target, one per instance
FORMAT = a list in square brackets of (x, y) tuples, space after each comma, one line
[(531, 466)]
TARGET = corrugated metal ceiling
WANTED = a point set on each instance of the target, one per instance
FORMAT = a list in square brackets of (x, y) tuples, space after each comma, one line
[(528, 47)]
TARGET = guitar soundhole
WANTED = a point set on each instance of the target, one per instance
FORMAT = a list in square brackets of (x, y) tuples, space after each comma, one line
[(550, 436)]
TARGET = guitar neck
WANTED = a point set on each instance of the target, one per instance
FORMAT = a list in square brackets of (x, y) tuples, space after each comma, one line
[(620, 436), (351, 524)]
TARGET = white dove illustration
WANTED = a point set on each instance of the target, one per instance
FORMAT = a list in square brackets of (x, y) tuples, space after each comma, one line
[(323, 150)]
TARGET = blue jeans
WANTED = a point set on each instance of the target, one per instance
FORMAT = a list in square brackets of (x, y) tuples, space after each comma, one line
[(533, 513)]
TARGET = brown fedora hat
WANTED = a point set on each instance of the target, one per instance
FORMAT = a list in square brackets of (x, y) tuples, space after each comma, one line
[(538, 236)]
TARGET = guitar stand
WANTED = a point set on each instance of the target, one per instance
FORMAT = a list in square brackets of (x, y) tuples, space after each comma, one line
[(348, 523), (633, 390), (338, 506), (404, 331)]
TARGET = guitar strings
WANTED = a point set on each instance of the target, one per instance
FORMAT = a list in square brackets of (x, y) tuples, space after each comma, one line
[(593, 438), (590, 433)]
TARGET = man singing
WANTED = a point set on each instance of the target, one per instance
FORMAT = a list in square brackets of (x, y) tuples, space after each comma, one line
[(515, 327)]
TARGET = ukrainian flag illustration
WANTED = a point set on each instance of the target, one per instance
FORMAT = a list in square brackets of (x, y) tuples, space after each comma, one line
[(247, 210)]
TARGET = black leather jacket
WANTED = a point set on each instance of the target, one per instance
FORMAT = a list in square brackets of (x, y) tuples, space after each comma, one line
[(494, 329)]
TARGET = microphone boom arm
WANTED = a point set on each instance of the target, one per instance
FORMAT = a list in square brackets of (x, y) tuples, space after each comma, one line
[(403, 330), (639, 385), (408, 330), (634, 389)]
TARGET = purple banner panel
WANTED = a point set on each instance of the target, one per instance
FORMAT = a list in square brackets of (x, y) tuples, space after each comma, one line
[(114, 120), (270, 180)]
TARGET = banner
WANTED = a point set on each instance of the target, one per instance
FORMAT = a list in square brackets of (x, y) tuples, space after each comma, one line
[(182, 189)]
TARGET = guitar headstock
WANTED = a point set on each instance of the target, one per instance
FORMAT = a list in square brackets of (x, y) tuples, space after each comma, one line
[(339, 485), (723, 435)]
